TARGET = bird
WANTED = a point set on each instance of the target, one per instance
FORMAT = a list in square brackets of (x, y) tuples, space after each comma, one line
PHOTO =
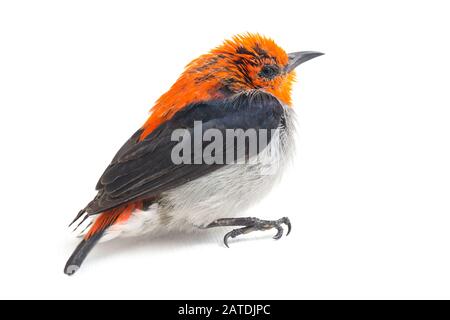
[(243, 84)]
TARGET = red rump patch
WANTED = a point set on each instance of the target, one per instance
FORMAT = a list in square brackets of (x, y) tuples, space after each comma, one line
[(113, 216)]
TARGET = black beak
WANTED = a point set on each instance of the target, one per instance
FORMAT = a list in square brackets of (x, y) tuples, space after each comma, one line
[(297, 58)]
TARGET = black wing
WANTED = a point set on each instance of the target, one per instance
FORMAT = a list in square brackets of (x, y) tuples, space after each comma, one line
[(144, 169)]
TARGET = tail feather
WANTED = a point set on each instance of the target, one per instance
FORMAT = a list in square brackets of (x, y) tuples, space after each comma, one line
[(78, 216), (96, 230), (80, 253)]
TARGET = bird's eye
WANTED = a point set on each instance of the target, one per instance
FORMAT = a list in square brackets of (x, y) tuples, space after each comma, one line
[(269, 71)]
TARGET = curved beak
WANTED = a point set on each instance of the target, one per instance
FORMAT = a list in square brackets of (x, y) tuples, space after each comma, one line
[(297, 58)]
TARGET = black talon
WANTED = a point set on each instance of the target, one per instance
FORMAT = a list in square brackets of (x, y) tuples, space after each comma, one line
[(226, 237), (236, 232), (279, 232), (287, 222)]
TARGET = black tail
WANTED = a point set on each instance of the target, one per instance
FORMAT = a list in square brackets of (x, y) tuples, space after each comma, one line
[(80, 253)]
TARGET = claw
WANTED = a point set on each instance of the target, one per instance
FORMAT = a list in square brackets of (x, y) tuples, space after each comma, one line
[(232, 234), (225, 239), (279, 233), (287, 222)]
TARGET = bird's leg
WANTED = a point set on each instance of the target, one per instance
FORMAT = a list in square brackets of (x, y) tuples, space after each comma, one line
[(249, 225)]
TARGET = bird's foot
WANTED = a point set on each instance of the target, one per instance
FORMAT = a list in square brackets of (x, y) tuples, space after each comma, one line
[(249, 225)]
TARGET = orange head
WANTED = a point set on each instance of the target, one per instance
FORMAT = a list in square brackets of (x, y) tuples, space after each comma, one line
[(246, 62)]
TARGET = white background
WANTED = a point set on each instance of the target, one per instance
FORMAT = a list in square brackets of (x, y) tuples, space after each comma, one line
[(368, 195)]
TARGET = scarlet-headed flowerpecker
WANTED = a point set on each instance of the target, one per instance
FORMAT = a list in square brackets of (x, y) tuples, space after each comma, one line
[(157, 181)]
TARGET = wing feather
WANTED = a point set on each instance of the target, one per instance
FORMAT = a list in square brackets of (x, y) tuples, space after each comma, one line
[(144, 169)]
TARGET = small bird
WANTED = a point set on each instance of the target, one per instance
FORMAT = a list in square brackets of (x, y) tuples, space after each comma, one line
[(244, 84)]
